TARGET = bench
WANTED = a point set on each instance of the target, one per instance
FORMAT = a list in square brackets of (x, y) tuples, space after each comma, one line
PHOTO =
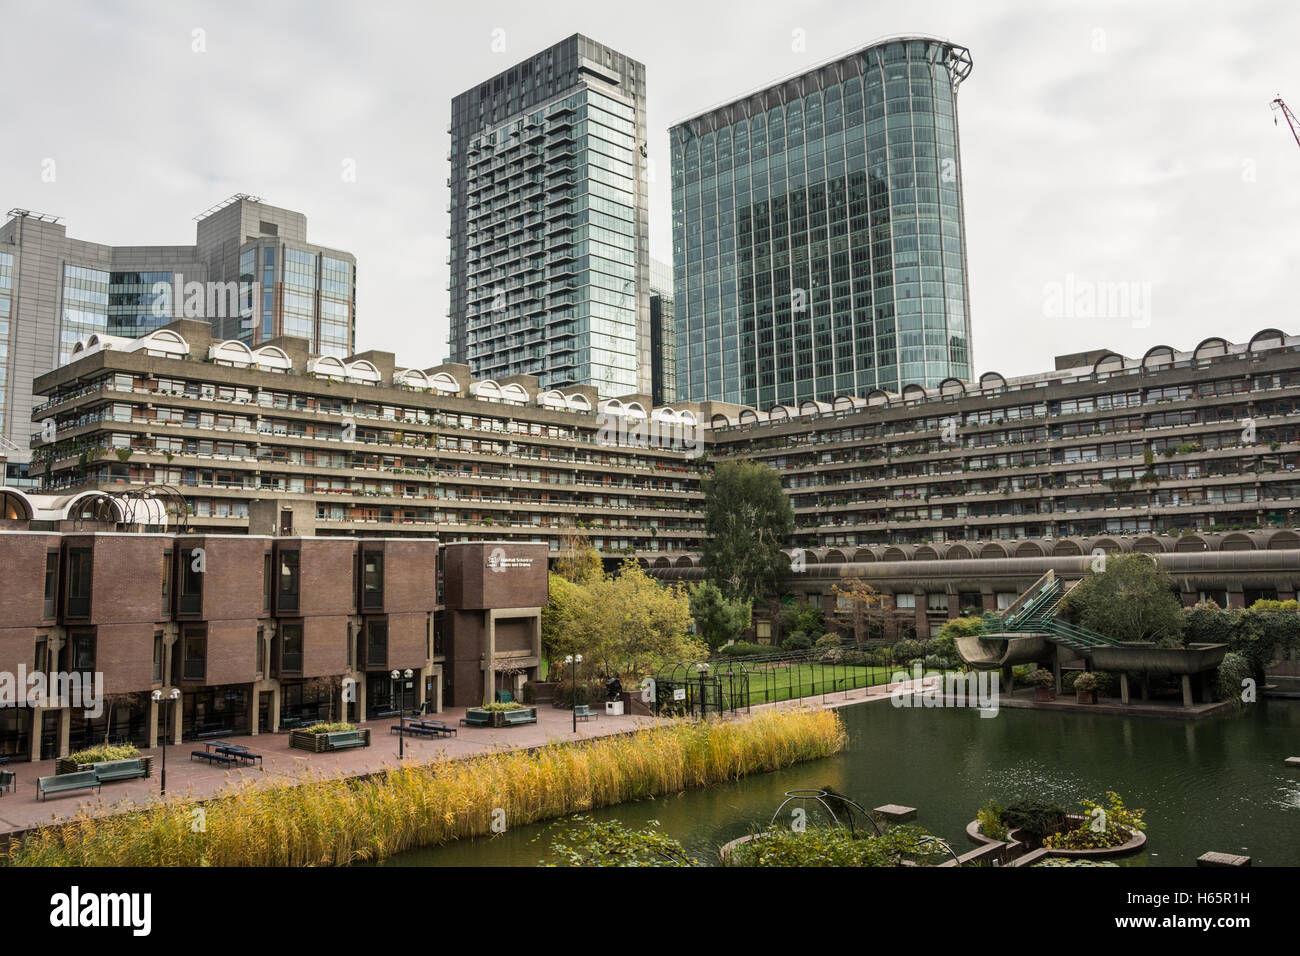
[(476, 720), (438, 727), (66, 783), (211, 756), (584, 712), (346, 739), (7, 778), (390, 712), (111, 770), (519, 717), (411, 727), (205, 734)]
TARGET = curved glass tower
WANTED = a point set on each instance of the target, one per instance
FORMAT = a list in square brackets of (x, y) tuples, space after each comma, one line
[(818, 247)]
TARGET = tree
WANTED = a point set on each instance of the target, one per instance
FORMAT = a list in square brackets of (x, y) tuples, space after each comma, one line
[(860, 606), (717, 619), (579, 562), (625, 624), (1131, 600), (747, 520)]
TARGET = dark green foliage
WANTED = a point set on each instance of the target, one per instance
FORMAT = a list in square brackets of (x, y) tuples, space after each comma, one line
[(1036, 817), (747, 521)]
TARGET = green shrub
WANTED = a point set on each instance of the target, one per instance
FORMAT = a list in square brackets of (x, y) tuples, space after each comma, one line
[(589, 692), (1086, 681), (1234, 671), (907, 650), (823, 846), (104, 752), (990, 822), (325, 728), (1036, 818), (798, 641), (828, 640), (745, 649), (1114, 826), (1042, 677), (512, 705)]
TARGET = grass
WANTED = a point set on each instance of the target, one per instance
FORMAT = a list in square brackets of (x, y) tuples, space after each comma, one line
[(789, 681), (323, 821)]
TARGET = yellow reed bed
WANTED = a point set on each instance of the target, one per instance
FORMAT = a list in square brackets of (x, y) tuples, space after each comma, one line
[(331, 822)]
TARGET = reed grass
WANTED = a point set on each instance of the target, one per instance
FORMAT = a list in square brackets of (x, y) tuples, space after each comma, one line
[(320, 821)]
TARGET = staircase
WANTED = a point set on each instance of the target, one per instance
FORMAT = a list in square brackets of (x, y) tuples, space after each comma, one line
[(1036, 611)]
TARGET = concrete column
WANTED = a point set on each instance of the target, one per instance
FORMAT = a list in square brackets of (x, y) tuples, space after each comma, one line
[(361, 698), (65, 732), (420, 695), (177, 712), (38, 720), (1187, 690), (153, 722), (1236, 599), (275, 707), (1123, 687), (1056, 668), (254, 709), (489, 656)]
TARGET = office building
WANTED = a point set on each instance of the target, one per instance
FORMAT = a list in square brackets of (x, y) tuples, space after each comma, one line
[(549, 251), (56, 290), (818, 244), (663, 337)]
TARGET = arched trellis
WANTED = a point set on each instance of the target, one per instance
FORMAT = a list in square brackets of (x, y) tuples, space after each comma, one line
[(151, 505)]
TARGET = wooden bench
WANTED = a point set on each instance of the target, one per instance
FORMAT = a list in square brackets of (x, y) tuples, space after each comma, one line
[(519, 717), (438, 727), (111, 770), (67, 782), (346, 739), (584, 712), (411, 727), (7, 778), (211, 756)]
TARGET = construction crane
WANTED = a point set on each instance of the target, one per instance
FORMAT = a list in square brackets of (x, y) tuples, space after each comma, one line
[(1278, 105)]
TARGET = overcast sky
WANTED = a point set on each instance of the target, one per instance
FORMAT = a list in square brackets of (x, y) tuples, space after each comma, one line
[(1101, 142)]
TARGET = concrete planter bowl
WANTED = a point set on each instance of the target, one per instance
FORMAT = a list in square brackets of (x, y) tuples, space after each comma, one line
[(64, 765), (1137, 839)]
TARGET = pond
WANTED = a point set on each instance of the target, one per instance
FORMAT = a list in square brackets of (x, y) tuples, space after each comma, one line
[(1214, 784)]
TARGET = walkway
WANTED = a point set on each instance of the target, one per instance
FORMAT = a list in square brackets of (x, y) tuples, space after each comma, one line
[(281, 764)]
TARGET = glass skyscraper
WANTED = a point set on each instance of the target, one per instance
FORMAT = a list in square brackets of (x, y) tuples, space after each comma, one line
[(818, 246), (549, 247)]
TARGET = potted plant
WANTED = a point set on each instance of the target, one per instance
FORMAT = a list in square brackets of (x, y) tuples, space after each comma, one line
[(1044, 684), (1085, 688)]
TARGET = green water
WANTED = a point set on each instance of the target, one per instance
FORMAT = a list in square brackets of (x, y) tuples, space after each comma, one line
[(1215, 784)]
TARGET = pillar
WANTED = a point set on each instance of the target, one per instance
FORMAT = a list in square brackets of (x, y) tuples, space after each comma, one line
[(489, 656), (38, 719), (1123, 687), (1056, 667), (153, 722), (254, 709), (65, 732), (275, 707), (177, 712), (1187, 690)]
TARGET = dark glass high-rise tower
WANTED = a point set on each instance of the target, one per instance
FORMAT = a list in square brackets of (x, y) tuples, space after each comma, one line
[(818, 245), (550, 255)]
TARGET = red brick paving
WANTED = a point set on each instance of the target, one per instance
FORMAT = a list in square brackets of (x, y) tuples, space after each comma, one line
[(193, 778)]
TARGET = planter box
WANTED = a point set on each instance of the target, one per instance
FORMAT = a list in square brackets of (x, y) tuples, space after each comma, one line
[(64, 765), (1086, 696), (1044, 693), (497, 718), (318, 743)]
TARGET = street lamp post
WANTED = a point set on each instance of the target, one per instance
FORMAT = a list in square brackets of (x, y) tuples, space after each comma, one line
[(573, 660), (158, 698), (397, 675)]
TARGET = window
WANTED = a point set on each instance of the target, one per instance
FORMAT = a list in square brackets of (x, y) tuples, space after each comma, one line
[(167, 572), (51, 583), (81, 649), (261, 651), (79, 576), (372, 580), (196, 654), (42, 653), (937, 602), (191, 580), (267, 578), (157, 657), (287, 590), (377, 643), (291, 647), (905, 601)]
